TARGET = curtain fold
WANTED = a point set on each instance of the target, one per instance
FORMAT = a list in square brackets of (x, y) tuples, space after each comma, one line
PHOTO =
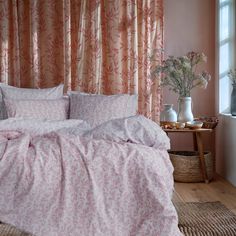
[(98, 46)]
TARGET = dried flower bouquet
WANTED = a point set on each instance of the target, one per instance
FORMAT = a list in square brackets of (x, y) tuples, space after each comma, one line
[(180, 74), (232, 76)]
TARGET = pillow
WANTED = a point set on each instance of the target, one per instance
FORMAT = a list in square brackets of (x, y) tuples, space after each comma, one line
[(54, 109), (10, 92), (96, 109)]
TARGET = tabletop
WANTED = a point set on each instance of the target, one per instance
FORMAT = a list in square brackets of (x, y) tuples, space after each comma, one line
[(188, 130)]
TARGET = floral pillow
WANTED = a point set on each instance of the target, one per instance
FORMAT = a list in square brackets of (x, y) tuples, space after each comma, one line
[(10, 92), (53, 109), (96, 109)]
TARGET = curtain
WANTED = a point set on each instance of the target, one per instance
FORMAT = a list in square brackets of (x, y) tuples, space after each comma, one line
[(95, 46)]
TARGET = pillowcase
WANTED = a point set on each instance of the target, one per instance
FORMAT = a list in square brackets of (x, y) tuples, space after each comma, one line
[(96, 109), (10, 92), (54, 109)]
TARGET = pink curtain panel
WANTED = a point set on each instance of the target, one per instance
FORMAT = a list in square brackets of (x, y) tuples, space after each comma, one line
[(93, 46)]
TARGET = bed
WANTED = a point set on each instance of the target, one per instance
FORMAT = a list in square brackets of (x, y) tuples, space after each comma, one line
[(68, 177)]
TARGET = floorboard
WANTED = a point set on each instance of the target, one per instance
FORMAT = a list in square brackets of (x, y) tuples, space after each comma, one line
[(217, 190)]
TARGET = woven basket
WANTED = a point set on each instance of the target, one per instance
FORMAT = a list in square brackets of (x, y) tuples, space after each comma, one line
[(209, 125), (187, 167), (208, 122)]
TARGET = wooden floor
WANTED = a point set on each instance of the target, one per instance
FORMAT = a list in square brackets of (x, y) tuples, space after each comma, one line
[(217, 190)]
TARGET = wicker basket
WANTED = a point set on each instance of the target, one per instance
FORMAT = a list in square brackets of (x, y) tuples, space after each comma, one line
[(208, 122), (187, 166), (209, 125)]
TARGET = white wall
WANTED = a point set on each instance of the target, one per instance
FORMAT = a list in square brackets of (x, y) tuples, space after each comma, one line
[(226, 148)]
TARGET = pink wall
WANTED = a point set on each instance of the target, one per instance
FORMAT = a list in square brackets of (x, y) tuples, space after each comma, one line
[(190, 26)]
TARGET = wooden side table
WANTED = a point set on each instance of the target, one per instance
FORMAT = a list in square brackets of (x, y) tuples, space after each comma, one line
[(198, 145)]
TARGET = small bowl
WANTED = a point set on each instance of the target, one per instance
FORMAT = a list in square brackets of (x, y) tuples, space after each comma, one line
[(194, 124), (167, 124), (179, 125)]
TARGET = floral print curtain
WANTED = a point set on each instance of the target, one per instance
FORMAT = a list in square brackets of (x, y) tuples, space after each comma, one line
[(95, 46)]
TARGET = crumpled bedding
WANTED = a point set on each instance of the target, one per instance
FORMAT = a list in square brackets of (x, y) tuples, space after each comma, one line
[(39, 127), (89, 182)]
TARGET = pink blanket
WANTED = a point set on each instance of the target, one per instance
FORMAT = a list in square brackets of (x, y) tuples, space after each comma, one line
[(60, 183)]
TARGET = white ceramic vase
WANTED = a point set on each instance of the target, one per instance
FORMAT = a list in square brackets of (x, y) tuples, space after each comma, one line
[(233, 101), (168, 114), (185, 109)]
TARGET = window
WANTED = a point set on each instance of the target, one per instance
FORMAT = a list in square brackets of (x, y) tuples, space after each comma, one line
[(226, 46)]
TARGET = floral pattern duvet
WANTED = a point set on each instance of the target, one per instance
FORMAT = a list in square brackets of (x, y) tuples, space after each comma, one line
[(63, 178)]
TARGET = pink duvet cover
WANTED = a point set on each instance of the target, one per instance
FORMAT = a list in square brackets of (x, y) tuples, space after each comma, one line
[(88, 183)]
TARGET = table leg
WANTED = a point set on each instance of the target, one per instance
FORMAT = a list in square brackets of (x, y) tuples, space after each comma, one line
[(201, 155), (195, 141)]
